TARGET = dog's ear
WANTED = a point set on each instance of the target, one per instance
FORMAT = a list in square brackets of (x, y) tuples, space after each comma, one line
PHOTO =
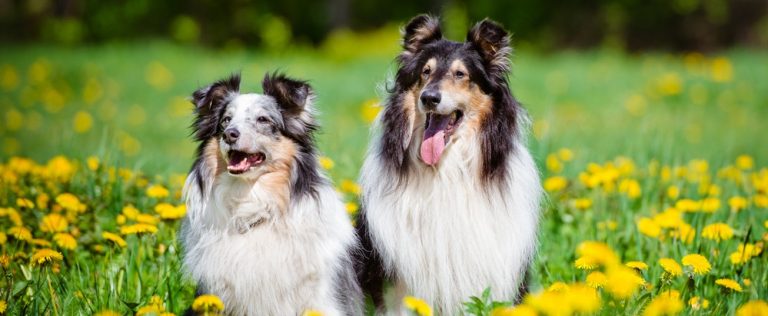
[(295, 99), (492, 41), (208, 102), (422, 29)]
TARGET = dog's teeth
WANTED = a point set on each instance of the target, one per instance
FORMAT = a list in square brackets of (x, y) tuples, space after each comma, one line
[(453, 117)]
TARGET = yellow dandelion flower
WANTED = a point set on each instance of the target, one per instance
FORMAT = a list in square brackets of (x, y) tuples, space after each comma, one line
[(698, 263), (93, 163), (171, 212), (208, 303), (115, 238), (721, 70), (747, 282), (45, 255), (565, 154), (698, 303), (350, 186), (745, 162), (417, 305), (683, 232), (753, 308), (671, 266), (149, 310), (138, 229), (3, 306), (607, 224), (14, 216), (65, 241), (24, 203), (745, 252), (3, 238), (5, 261), (60, 169), (107, 313), (597, 251), (82, 122), (553, 163), (42, 200), (670, 218), (623, 282), (370, 110), (351, 207), (631, 188), (556, 183), (312, 312), (597, 279), (130, 212), (729, 284), (688, 205), (147, 219), (760, 200), (737, 203), (53, 223), (586, 263), (326, 162), (673, 192), (717, 232), (667, 303), (120, 219), (710, 204), (648, 227), (519, 310), (70, 202), (669, 84), (582, 203), (157, 191), (20, 233), (637, 265)]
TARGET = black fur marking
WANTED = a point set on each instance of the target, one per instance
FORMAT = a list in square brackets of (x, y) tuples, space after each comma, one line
[(294, 98), (421, 30), (210, 103), (485, 54), (370, 270)]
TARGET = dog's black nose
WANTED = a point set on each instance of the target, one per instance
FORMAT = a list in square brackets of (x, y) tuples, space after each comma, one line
[(231, 135), (430, 99)]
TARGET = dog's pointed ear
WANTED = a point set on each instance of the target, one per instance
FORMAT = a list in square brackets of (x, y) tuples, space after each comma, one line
[(422, 29), (295, 99), (492, 41), (208, 101)]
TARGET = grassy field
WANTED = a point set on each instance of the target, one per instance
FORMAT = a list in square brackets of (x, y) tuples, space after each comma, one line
[(655, 166)]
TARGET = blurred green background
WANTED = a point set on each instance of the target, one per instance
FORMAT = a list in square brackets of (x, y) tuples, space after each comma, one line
[(670, 80)]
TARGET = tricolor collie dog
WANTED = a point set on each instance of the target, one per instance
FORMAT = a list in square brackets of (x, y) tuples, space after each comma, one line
[(450, 192), (265, 230)]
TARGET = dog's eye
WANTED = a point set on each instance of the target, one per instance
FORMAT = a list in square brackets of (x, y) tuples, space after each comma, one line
[(426, 72), (459, 74), (262, 119), (225, 120)]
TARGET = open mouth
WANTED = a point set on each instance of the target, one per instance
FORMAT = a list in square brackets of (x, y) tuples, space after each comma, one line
[(437, 132), (240, 162)]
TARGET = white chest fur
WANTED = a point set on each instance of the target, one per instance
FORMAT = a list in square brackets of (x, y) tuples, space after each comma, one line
[(446, 236), (283, 266)]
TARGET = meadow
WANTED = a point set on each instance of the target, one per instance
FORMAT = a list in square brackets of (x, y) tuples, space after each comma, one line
[(655, 164)]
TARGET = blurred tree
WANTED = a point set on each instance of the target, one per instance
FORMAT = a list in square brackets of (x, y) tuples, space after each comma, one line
[(548, 24)]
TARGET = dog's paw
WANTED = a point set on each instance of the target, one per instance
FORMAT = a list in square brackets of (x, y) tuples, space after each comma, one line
[(245, 223)]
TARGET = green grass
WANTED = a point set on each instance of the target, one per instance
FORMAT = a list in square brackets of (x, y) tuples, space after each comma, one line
[(600, 104)]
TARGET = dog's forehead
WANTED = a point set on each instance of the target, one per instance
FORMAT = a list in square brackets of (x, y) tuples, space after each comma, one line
[(253, 103)]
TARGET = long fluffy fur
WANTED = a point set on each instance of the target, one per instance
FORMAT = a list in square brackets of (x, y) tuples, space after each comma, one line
[(448, 233), (298, 260)]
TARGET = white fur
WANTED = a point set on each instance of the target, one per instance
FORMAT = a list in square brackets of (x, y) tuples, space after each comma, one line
[(443, 233), (283, 266)]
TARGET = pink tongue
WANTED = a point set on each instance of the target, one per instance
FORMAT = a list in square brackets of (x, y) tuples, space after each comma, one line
[(240, 166), (432, 148)]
